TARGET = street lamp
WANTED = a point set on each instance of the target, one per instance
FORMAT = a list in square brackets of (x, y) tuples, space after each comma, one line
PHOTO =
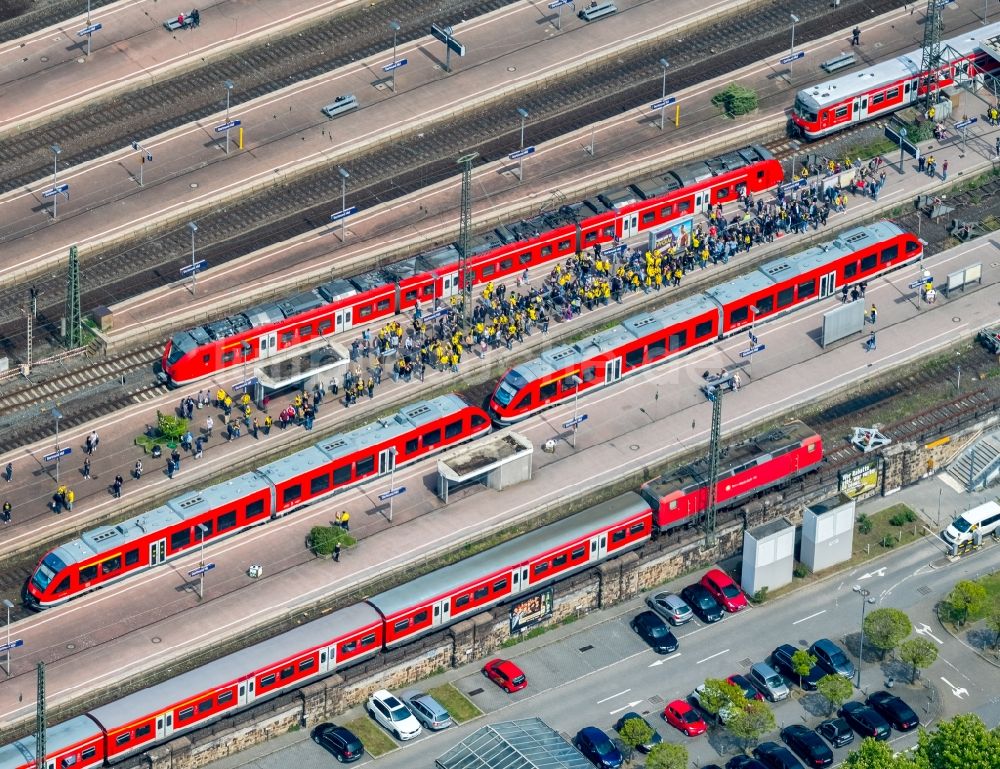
[(866, 599), (9, 606), (56, 152), (392, 477), (229, 85), (247, 349), (791, 64), (663, 91), (394, 26), (57, 415), (520, 161), (575, 381), (344, 176), (202, 531), (194, 270)]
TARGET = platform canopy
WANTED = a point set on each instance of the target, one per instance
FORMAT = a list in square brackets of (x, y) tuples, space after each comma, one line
[(526, 744)]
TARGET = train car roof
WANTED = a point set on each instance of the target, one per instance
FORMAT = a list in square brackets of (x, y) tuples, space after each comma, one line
[(218, 495), (846, 243), (57, 738), (678, 312), (472, 569), (739, 288), (155, 699), (103, 538), (336, 289), (294, 465)]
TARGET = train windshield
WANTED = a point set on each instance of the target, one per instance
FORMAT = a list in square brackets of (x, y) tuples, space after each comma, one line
[(804, 111), (179, 344), (509, 387), (47, 570)]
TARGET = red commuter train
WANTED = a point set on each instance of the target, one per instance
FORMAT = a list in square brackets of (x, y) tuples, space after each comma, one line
[(108, 554), (661, 335), (674, 197), (891, 85)]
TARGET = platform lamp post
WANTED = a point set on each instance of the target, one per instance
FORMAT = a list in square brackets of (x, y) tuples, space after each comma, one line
[(394, 26), (9, 605), (57, 415), (866, 599), (663, 92), (246, 349), (791, 64), (520, 161), (344, 176), (229, 85), (576, 382), (202, 531), (56, 152), (392, 477), (194, 270)]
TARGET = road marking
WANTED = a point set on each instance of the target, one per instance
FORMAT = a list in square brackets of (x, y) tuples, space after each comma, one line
[(959, 691), (876, 573), (717, 654), (924, 629), (624, 707), (656, 663), (821, 611), (600, 702)]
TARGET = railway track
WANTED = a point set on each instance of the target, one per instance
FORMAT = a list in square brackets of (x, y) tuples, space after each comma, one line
[(427, 156)]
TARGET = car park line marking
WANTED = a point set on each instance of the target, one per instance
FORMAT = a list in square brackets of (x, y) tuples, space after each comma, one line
[(601, 702), (624, 707), (660, 661), (816, 614), (717, 654)]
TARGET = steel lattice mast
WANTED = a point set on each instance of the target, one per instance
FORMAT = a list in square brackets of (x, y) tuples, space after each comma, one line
[(714, 453), (74, 317), (931, 61), (40, 750)]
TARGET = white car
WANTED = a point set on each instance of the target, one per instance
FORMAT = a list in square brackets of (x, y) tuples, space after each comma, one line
[(390, 711)]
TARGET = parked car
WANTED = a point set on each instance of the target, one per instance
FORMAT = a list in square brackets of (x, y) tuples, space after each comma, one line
[(744, 762), (671, 607), (343, 743), (832, 658), (340, 105), (807, 745), (836, 731), (781, 660), (702, 603), (654, 631), (724, 590), (725, 715), (392, 714), (599, 748), (894, 710), (656, 739), (428, 711), (506, 675), (749, 690), (680, 715), (865, 720), (768, 682), (775, 756)]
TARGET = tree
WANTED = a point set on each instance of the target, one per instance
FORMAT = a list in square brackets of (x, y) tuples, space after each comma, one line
[(885, 628), (918, 653), (735, 100), (966, 599), (635, 732), (993, 623), (667, 755), (719, 694), (802, 663), (872, 754), (964, 742), (836, 689), (324, 539), (169, 427), (752, 721)]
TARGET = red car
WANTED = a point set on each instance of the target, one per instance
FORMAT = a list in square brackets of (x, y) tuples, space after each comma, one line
[(724, 590), (682, 716), (505, 674)]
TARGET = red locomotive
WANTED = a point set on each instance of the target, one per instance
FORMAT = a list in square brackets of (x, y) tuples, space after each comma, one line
[(675, 197), (654, 337), (889, 86)]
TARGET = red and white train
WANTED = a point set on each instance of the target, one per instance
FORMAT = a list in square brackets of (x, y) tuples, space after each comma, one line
[(674, 197), (661, 335), (881, 89), (108, 554)]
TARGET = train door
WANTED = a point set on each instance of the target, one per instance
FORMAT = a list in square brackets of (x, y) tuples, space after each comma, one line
[(164, 725), (442, 612), (630, 225), (515, 581), (612, 370), (861, 108), (450, 285), (703, 201), (386, 461), (343, 319), (599, 547), (827, 284), (268, 344), (157, 552), (242, 693)]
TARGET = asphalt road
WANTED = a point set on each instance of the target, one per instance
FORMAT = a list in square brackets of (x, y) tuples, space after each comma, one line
[(593, 670)]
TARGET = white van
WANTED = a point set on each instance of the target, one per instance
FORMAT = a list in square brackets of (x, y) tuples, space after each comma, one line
[(340, 105), (596, 11), (982, 520)]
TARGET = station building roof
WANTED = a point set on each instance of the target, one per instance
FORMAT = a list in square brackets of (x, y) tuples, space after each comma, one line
[(527, 743)]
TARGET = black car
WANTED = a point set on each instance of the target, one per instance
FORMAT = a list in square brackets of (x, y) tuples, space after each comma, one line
[(865, 720), (599, 748), (832, 658), (744, 762), (781, 660), (344, 745), (807, 745), (702, 603), (894, 710), (647, 746), (837, 732), (654, 631), (776, 756)]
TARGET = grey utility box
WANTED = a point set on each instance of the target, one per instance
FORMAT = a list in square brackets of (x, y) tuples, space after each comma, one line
[(768, 556), (827, 533)]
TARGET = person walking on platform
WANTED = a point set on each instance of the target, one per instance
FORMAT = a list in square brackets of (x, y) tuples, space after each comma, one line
[(209, 424), (137, 470), (856, 36), (6, 512), (70, 499), (267, 424), (176, 456), (8, 472), (199, 444), (336, 552), (870, 344), (119, 482), (86, 469), (170, 468), (872, 315)]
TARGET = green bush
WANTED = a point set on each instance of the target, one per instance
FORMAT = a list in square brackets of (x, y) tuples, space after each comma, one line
[(800, 571), (903, 518), (323, 539), (865, 524), (760, 596), (888, 541), (736, 99)]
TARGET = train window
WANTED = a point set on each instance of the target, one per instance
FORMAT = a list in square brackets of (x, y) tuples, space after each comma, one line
[(382, 305), (722, 192), (428, 290), (411, 445), (348, 647), (306, 330), (878, 98), (208, 529), (401, 625), (637, 528), (225, 697), (324, 326), (739, 315), (648, 217), (341, 475), (287, 672), (579, 553), (205, 358), (807, 288), (890, 253), (565, 245), (673, 504), (227, 520), (180, 539), (545, 251), (850, 269), (785, 297), (462, 600), (609, 231), (683, 206), (524, 258), (306, 664), (635, 357), (291, 493), (869, 262), (228, 356), (567, 383), (547, 391), (131, 557), (365, 312), (88, 573), (590, 237), (454, 429), (500, 584), (764, 305), (524, 401), (88, 753), (506, 264), (432, 438), (589, 374), (142, 731), (666, 211), (185, 714), (410, 295), (892, 93), (267, 680), (703, 329), (488, 270), (480, 593), (541, 568), (319, 483), (420, 617), (560, 560), (618, 536), (63, 586), (67, 762), (112, 564), (204, 705), (368, 640), (911, 246), (365, 466), (840, 111), (123, 739), (678, 341), (657, 349), (287, 337), (478, 420)]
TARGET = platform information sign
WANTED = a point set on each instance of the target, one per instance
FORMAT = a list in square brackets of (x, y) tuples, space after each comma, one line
[(753, 350), (663, 102), (226, 126), (201, 570), (12, 645), (56, 454), (394, 65), (574, 421), (517, 154), (57, 190), (198, 266), (393, 493), (791, 57), (89, 30), (343, 214)]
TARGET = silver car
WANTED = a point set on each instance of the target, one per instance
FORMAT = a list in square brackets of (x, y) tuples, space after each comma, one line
[(428, 711), (767, 680), (670, 606)]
